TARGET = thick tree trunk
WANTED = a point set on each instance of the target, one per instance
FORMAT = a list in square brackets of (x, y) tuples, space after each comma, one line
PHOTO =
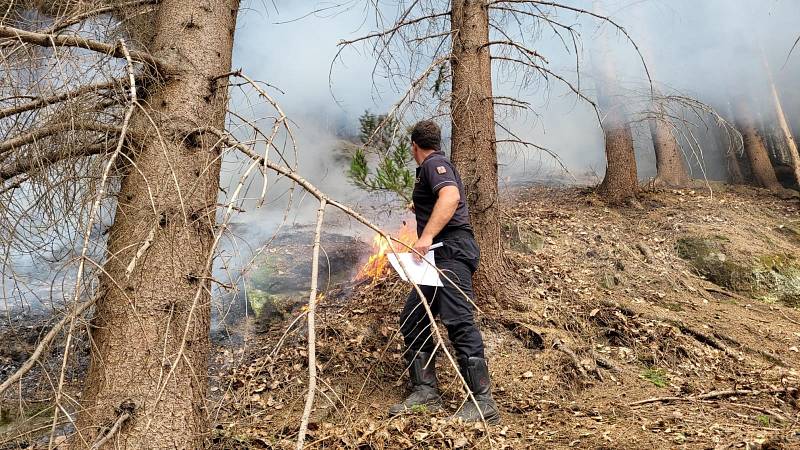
[(763, 173), (150, 334), (474, 150), (621, 181), (670, 167), (791, 145)]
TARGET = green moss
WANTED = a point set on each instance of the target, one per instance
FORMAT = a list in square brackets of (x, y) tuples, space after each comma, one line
[(771, 277), (779, 276), (608, 281), (791, 231), (707, 256), (524, 239), (656, 376), (264, 276), (263, 303), (419, 409)]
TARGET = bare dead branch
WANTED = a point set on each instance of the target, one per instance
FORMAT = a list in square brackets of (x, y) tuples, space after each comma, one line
[(391, 31), (123, 417), (789, 55), (601, 17), (77, 18), (525, 50), (312, 333), (547, 72), (55, 128), (50, 40), (28, 165), (43, 101)]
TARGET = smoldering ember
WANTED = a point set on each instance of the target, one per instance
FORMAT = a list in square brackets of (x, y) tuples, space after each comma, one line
[(492, 224)]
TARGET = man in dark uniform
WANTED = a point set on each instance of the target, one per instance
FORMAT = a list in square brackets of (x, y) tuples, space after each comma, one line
[(442, 216)]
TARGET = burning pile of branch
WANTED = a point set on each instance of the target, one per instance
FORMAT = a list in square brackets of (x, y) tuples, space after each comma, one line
[(377, 264)]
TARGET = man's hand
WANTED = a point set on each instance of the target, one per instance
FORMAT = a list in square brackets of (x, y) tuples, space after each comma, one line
[(421, 247)]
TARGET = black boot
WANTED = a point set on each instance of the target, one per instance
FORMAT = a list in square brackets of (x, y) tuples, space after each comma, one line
[(424, 387), (476, 373)]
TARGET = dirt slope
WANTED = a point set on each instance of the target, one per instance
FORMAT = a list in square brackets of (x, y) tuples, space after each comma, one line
[(610, 312)]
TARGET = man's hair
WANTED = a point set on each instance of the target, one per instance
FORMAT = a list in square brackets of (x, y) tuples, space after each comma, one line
[(427, 135)]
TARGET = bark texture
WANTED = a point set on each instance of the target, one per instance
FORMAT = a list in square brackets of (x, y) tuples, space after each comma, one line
[(670, 167), (735, 175), (474, 147), (621, 182), (756, 151), (150, 333), (791, 144)]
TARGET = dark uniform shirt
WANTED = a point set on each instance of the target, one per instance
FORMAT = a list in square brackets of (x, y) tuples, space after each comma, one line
[(433, 174)]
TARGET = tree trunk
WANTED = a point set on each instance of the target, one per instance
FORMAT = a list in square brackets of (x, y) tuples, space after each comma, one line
[(474, 150), (150, 333), (670, 167), (621, 181), (791, 145), (763, 173), (735, 175)]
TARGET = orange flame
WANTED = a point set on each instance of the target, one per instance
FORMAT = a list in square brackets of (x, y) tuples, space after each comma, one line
[(377, 264)]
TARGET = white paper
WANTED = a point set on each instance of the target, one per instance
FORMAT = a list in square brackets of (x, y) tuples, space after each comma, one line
[(419, 272)]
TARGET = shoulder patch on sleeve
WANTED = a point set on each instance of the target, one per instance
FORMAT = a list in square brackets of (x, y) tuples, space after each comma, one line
[(441, 170)]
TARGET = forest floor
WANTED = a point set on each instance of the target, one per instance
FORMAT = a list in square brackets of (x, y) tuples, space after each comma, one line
[(672, 324)]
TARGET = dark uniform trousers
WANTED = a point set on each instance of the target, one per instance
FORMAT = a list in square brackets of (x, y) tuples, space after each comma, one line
[(458, 259)]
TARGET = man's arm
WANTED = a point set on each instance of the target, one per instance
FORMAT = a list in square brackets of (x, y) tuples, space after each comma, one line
[(443, 210)]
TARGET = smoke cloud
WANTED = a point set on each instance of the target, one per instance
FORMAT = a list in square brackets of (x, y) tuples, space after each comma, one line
[(711, 50)]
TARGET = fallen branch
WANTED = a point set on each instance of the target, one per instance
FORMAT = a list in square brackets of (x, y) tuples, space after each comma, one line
[(312, 346), (713, 395)]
